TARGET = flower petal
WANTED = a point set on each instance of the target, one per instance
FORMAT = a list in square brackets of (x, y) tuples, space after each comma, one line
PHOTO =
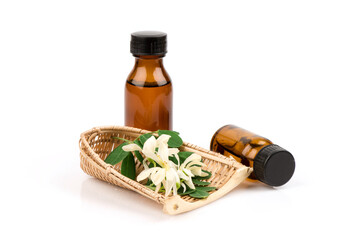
[(167, 187), (164, 138), (149, 148), (170, 181), (158, 176), (177, 178), (158, 188), (178, 160), (163, 151), (173, 151), (204, 174), (144, 174), (191, 164), (188, 172), (192, 158), (184, 187), (196, 170), (131, 147), (145, 165), (182, 175), (190, 184), (177, 181)]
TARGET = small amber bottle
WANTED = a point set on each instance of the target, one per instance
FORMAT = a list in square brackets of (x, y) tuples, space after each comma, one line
[(272, 164), (148, 89)]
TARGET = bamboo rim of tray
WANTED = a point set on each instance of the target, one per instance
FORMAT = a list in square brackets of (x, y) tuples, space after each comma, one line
[(96, 143)]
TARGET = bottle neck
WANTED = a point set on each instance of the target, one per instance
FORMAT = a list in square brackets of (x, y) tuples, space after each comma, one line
[(149, 61), (148, 70)]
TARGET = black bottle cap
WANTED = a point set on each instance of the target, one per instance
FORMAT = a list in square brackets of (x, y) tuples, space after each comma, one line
[(274, 165), (148, 43)]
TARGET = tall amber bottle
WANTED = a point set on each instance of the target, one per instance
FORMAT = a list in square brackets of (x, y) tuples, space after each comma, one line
[(148, 89), (272, 164)]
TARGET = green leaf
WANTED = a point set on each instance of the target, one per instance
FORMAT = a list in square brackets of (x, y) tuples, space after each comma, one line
[(117, 155), (200, 183), (173, 159), (183, 156), (137, 153), (204, 177), (144, 137), (206, 189), (193, 165), (137, 142), (199, 194), (188, 191), (175, 140), (139, 156), (128, 167)]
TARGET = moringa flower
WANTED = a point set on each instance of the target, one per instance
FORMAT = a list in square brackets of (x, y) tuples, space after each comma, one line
[(156, 175), (189, 168), (164, 172), (157, 150), (194, 164), (166, 168)]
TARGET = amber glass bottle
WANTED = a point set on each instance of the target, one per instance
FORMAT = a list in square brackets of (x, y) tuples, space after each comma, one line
[(148, 89), (272, 164)]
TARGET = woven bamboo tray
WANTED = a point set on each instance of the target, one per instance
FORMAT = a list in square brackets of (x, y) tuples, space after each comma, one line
[(97, 143)]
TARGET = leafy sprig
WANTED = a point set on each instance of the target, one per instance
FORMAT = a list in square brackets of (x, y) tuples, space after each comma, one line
[(128, 167)]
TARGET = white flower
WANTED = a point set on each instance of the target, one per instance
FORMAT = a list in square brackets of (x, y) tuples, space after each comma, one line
[(194, 164), (157, 150), (166, 173), (189, 168), (156, 175), (171, 182)]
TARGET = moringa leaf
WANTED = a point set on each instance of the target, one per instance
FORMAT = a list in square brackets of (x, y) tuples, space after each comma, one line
[(137, 153), (175, 140), (206, 189), (139, 156), (173, 159), (137, 142), (199, 194), (188, 191), (128, 167), (144, 137), (200, 183), (117, 155)]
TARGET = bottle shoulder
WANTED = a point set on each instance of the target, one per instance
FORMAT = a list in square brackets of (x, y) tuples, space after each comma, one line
[(142, 76)]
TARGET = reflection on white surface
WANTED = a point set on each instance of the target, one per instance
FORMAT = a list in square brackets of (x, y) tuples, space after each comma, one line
[(97, 192), (253, 186)]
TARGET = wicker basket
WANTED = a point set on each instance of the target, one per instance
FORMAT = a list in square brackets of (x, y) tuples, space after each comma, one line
[(97, 143)]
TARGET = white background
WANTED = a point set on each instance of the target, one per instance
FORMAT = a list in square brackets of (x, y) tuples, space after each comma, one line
[(287, 70)]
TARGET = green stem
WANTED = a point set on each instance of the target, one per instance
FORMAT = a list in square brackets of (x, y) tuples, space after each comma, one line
[(126, 140)]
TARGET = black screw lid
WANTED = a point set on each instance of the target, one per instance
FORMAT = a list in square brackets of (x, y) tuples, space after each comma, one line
[(274, 165), (148, 43)]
